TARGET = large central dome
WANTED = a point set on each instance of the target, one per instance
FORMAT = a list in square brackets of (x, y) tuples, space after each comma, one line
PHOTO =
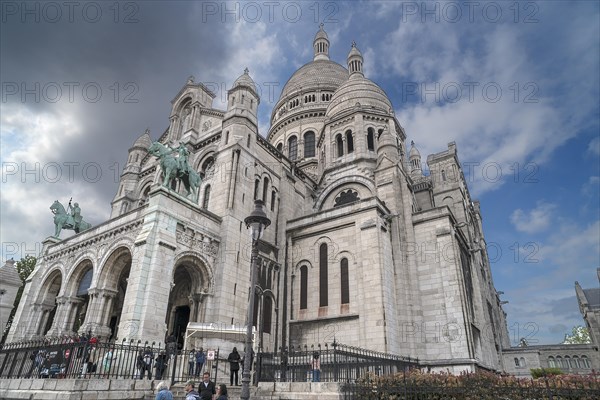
[(314, 75)]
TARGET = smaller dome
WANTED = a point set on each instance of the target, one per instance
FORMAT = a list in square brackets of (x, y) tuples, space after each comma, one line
[(359, 91), (144, 141), (354, 52), (321, 34), (244, 80), (413, 151)]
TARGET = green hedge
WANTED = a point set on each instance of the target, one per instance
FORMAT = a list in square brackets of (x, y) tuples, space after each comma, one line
[(416, 385)]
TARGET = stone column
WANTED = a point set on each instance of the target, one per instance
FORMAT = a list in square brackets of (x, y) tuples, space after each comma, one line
[(73, 306), (58, 325)]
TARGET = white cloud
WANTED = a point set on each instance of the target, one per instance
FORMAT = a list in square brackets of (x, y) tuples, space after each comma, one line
[(594, 146), (535, 220)]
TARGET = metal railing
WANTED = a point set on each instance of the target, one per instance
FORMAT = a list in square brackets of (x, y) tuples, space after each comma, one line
[(83, 358), (338, 363)]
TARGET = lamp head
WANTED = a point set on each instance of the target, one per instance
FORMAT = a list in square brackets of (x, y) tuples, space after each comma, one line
[(257, 221)]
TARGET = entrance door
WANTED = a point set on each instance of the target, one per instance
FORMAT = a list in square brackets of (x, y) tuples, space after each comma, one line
[(182, 317)]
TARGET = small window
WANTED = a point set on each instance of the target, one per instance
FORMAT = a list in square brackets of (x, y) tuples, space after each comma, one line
[(323, 279), (309, 144), (256, 185), (371, 139), (293, 148), (522, 362), (273, 197), (206, 197), (340, 145), (350, 141), (265, 190), (551, 362), (303, 287), (248, 142), (226, 137), (345, 282), (280, 147)]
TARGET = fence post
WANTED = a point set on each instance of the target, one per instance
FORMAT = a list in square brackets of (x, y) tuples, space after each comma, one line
[(174, 372), (335, 363)]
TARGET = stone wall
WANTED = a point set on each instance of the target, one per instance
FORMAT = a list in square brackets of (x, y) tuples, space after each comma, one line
[(75, 389)]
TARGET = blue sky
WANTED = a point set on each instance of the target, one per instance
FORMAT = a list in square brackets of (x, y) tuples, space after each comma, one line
[(515, 84)]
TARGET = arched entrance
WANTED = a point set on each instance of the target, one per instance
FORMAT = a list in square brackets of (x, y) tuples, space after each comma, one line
[(110, 292), (47, 302), (77, 296), (189, 286)]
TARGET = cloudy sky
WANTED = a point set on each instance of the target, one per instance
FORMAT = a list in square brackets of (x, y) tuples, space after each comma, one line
[(516, 85)]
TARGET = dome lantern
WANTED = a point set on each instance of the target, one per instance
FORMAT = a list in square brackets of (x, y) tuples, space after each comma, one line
[(321, 45), (355, 62)]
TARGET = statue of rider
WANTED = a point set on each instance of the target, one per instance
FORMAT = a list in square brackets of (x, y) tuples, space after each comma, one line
[(183, 166), (76, 215)]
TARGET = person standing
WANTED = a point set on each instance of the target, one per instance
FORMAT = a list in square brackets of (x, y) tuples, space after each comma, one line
[(147, 359), (191, 362), (206, 387), (316, 368), (200, 359), (163, 392), (234, 366), (108, 359), (190, 393)]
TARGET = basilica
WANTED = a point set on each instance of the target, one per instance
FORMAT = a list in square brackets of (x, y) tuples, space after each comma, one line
[(365, 247)]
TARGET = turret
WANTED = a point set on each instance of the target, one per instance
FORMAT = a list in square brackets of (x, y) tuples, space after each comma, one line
[(243, 99), (414, 160), (355, 62), (321, 45)]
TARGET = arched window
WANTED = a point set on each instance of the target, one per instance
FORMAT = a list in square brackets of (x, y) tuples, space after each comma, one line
[(586, 362), (206, 197), (265, 190), (516, 362), (443, 175), (303, 287), (370, 139), (293, 148), (309, 144), (267, 314), (323, 298), (273, 197), (280, 147), (207, 170), (256, 185), (573, 362), (559, 362), (567, 362), (349, 141), (551, 362), (226, 137), (248, 142), (522, 362), (339, 142), (345, 283)]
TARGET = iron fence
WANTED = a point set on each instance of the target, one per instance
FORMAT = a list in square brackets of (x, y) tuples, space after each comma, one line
[(338, 363), (83, 358)]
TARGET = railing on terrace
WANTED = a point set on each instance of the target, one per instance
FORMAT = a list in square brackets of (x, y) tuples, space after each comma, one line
[(73, 358), (339, 363)]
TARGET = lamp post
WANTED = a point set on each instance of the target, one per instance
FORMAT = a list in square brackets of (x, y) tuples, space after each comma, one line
[(257, 222)]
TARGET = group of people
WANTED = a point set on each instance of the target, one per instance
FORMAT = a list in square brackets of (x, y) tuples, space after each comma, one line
[(146, 362), (207, 390)]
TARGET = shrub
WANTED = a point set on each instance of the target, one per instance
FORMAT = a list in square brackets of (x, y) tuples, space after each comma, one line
[(545, 372)]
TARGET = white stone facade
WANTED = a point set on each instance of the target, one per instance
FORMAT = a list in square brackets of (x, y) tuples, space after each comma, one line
[(362, 248)]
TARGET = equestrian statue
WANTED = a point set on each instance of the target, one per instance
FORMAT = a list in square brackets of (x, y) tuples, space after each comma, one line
[(68, 219), (177, 168)]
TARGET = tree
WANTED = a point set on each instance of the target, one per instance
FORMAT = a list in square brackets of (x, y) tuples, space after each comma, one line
[(25, 267), (579, 335)]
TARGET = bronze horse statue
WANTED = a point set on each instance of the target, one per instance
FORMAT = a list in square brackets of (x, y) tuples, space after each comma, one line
[(64, 220), (172, 168)]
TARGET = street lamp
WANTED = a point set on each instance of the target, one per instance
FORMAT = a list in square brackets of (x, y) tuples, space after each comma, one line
[(257, 222)]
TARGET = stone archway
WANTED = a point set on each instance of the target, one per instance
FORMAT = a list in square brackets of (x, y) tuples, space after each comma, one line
[(76, 297), (108, 296), (189, 286), (47, 303)]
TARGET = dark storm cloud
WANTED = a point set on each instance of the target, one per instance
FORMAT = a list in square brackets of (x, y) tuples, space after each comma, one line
[(110, 75)]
